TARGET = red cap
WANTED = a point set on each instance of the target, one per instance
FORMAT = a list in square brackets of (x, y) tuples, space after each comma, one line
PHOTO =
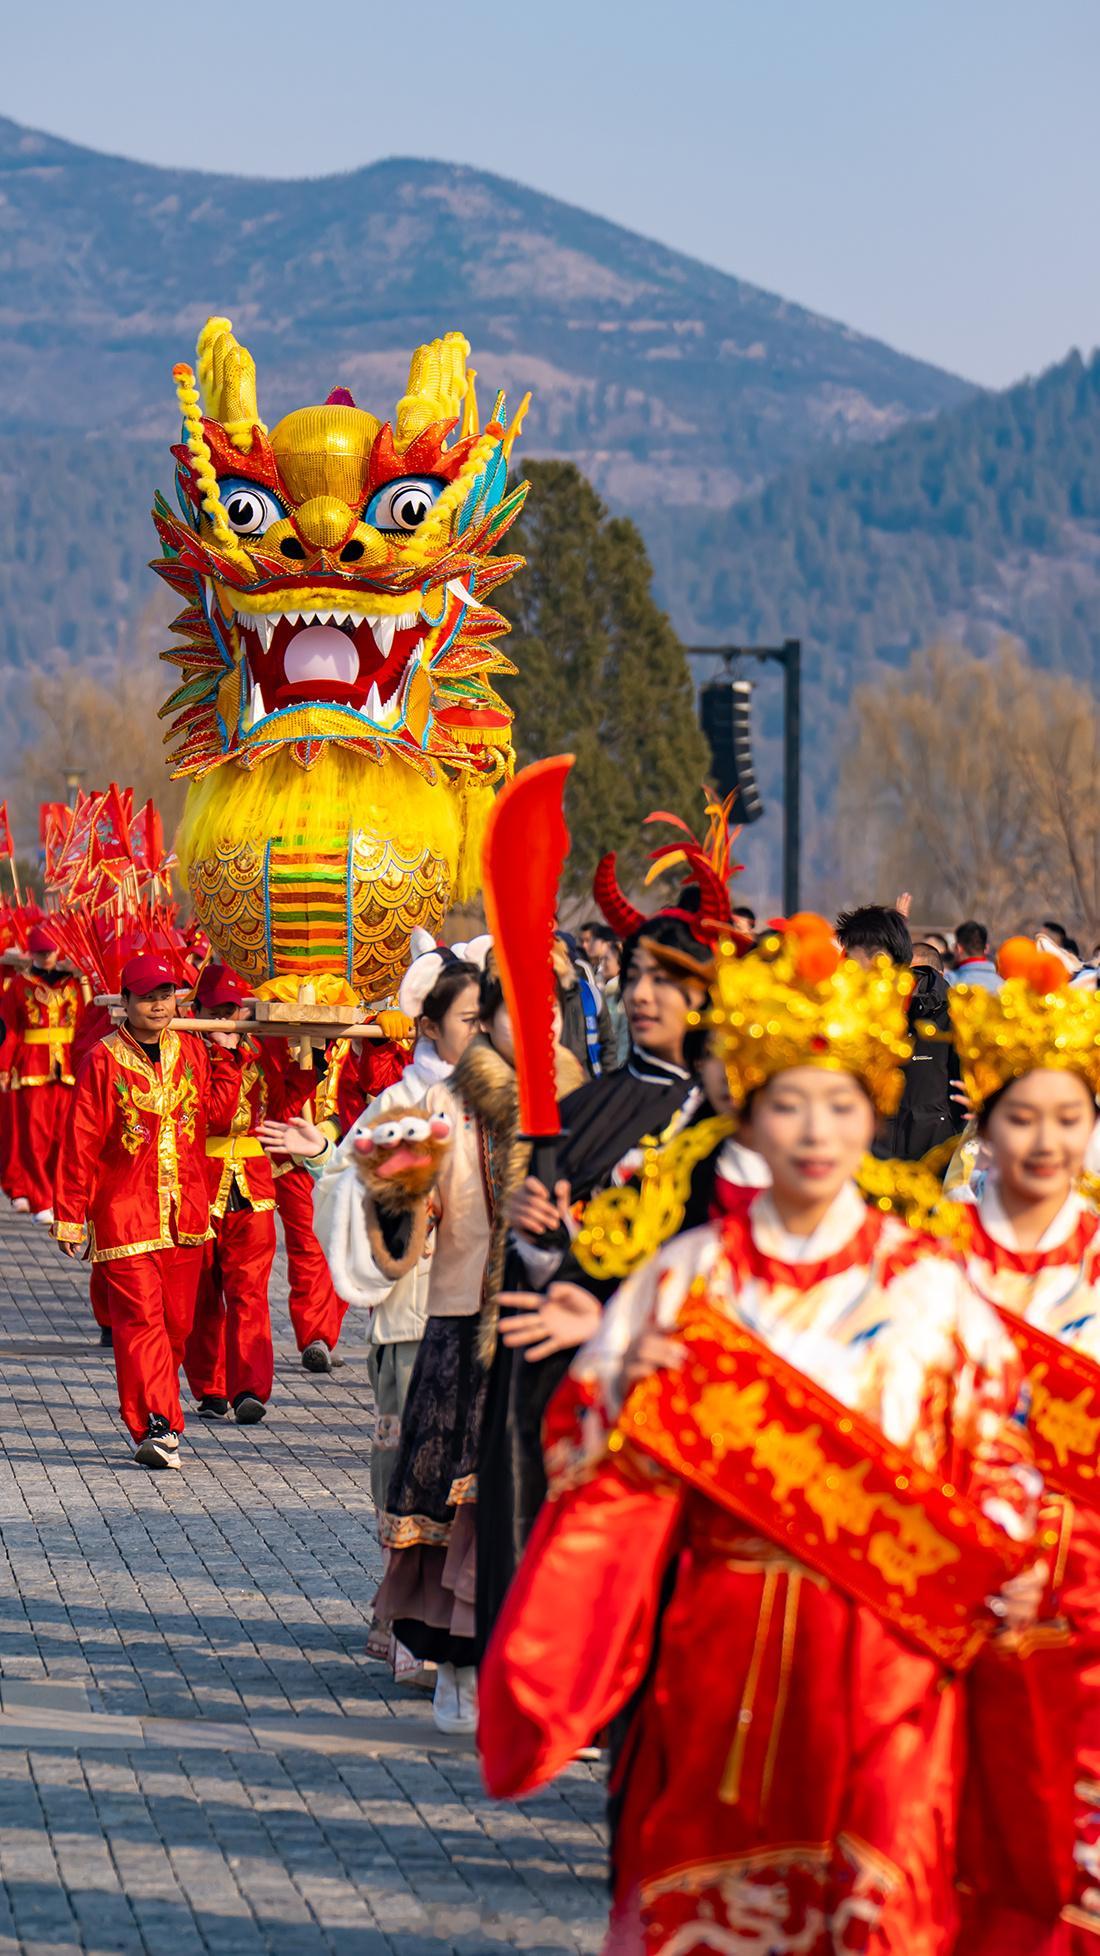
[(145, 974), (39, 942), (219, 985)]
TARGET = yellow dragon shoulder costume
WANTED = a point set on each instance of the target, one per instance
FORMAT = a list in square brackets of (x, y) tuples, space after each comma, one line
[(335, 712)]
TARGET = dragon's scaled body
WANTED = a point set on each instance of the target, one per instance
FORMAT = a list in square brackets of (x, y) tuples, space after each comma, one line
[(335, 712)]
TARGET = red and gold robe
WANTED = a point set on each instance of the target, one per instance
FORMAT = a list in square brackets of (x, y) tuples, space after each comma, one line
[(132, 1170), (789, 1778), (229, 1349), (41, 1018), (1056, 1288)]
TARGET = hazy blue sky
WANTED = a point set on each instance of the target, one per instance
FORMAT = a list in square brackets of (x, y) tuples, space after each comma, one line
[(926, 170)]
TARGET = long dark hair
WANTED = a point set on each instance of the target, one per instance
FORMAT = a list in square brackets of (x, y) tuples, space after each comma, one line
[(490, 996), (451, 982)]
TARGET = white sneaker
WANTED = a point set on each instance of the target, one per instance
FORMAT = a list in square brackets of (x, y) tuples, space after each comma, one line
[(43, 1215), (21, 1206), (453, 1709), (160, 1447), (467, 1697), (445, 1698)]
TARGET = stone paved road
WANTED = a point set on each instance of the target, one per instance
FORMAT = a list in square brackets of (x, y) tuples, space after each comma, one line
[(194, 1754)]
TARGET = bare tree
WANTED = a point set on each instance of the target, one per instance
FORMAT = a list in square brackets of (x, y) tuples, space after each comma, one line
[(973, 782), (98, 723)]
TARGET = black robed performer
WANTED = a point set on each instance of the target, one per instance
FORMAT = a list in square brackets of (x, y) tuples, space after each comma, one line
[(664, 979)]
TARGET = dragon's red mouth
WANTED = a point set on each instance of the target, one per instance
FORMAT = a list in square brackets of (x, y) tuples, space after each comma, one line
[(334, 658)]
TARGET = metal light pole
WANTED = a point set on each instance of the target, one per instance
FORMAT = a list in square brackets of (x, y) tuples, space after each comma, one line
[(789, 656)]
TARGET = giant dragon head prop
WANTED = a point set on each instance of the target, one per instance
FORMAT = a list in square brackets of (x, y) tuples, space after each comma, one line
[(336, 711)]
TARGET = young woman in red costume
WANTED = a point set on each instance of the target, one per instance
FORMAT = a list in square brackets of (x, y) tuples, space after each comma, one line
[(787, 1783), (1030, 1058)]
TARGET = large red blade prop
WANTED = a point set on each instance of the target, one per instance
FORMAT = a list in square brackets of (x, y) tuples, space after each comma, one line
[(526, 844)]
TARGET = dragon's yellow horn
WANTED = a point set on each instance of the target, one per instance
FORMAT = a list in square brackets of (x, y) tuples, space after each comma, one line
[(437, 387), (514, 426), (227, 378)]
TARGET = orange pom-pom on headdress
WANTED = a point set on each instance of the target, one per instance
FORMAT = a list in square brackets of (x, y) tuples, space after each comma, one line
[(1020, 957), (1036, 1022), (816, 958), (1016, 957), (1047, 974)]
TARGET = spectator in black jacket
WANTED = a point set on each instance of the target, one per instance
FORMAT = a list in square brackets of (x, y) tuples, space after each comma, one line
[(928, 1113)]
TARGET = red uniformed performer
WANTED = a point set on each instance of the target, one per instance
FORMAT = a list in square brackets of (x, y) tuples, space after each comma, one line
[(131, 1179), (7, 1096), (42, 1009), (95, 1024), (316, 1311), (229, 1358)]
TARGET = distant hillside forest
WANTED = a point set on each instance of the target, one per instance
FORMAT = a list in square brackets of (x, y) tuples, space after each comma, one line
[(982, 521)]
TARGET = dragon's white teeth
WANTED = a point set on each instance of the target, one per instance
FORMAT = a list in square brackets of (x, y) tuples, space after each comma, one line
[(458, 590), (383, 630), (340, 617), (264, 628), (255, 710), (383, 713), (407, 620)]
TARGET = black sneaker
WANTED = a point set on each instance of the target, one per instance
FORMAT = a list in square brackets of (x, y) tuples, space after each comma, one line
[(317, 1357), (211, 1407), (160, 1447), (249, 1409), (106, 1336)]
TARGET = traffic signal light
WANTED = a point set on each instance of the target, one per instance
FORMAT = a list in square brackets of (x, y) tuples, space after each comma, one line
[(725, 710)]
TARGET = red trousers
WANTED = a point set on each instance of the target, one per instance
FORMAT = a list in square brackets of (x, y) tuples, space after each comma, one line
[(151, 1300), (7, 1138), (229, 1350), (40, 1114), (315, 1309), (98, 1296)]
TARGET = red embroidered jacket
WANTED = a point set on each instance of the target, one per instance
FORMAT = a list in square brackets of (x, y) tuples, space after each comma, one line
[(265, 1088), (132, 1167), (40, 1023)]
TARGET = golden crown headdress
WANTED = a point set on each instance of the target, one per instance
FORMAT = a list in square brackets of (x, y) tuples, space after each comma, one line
[(797, 1001), (1035, 1021)]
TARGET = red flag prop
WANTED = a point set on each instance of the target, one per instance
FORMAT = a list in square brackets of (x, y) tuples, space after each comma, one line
[(51, 814), (6, 845), (109, 841), (54, 823), (526, 844), (147, 844)]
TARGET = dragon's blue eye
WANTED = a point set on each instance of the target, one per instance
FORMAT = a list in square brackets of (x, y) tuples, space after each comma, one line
[(249, 510), (403, 505)]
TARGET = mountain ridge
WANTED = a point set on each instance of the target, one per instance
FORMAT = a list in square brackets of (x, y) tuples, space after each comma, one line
[(642, 360)]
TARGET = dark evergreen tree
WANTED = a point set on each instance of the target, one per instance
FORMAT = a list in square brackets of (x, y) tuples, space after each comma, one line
[(601, 672)]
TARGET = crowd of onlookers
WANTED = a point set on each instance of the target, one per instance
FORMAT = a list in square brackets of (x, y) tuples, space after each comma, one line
[(934, 1107)]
